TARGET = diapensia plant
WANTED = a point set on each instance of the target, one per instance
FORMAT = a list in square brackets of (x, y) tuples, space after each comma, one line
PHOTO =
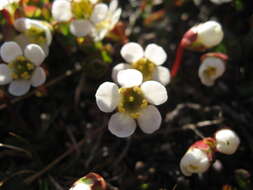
[(200, 156)]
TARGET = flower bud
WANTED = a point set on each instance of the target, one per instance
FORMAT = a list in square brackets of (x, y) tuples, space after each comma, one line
[(198, 158), (203, 36), (212, 67), (227, 141), (91, 181)]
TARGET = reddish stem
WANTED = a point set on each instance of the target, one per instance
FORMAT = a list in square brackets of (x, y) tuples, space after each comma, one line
[(178, 60)]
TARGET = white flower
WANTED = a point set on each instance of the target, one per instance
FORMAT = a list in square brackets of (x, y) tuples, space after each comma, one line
[(211, 68), (104, 19), (132, 102), (33, 31), (218, 2), (6, 3), (78, 12), (88, 16), (194, 161), (209, 34), (148, 62), (23, 68), (80, 186), (227, 141)]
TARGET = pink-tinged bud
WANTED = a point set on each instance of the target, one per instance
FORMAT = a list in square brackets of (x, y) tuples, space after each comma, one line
[(213, 65), (227, 141), (199, 157), (207, 35), (91, 181)]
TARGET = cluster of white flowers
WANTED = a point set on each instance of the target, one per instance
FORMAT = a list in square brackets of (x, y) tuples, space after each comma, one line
[(134, 100), (148, 62), (200, 155), (87, 17), (23, 67)]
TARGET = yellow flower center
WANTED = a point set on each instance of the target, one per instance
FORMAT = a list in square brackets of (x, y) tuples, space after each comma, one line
[(21, 68), (105, 24), (193, 167), (37, 35), (132, 101), (81, 9), (210, 71), (146, 67)]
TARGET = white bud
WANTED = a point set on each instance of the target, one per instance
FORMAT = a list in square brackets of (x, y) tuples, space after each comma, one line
[(209, 34), (194, 161), (227, 141), (81, 186)]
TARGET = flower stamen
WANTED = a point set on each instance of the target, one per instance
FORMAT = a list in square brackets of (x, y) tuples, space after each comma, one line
[(21, 68), (82, 9), (132, 101), (146, 67)]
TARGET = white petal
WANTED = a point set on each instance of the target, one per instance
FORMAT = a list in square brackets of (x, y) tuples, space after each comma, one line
[(98, 35), (61, 10), (99, 12), (115, 18), (22, 24), (150, 119), (35, 54), (113, 5), (121, 125), (5, 75), (80, 27), (154, 92), (10, 51), (81, 186), (117, 68), (132, 52), (162, 75), (156, 54), (129, 78), (38, 77), (19, 87), (107, 96)]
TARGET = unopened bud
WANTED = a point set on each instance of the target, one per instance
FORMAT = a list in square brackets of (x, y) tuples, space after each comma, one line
[(227, 141), (91, 181)]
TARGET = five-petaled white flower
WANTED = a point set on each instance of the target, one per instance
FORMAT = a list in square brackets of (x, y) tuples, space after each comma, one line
[(148, 62), (194, 161), (87, 17), (212, 67), (104, 19), (33, 31), (227, 141), (134, 100), (23, 68), (5, 3)]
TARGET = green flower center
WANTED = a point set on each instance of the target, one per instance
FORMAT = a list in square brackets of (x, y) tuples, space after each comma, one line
[(210, 71), (81, 9), (146, 67), (37, 35), (132, 101), (21, 68)]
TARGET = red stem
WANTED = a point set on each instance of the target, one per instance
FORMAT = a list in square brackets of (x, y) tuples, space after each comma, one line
[(178, 60)]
